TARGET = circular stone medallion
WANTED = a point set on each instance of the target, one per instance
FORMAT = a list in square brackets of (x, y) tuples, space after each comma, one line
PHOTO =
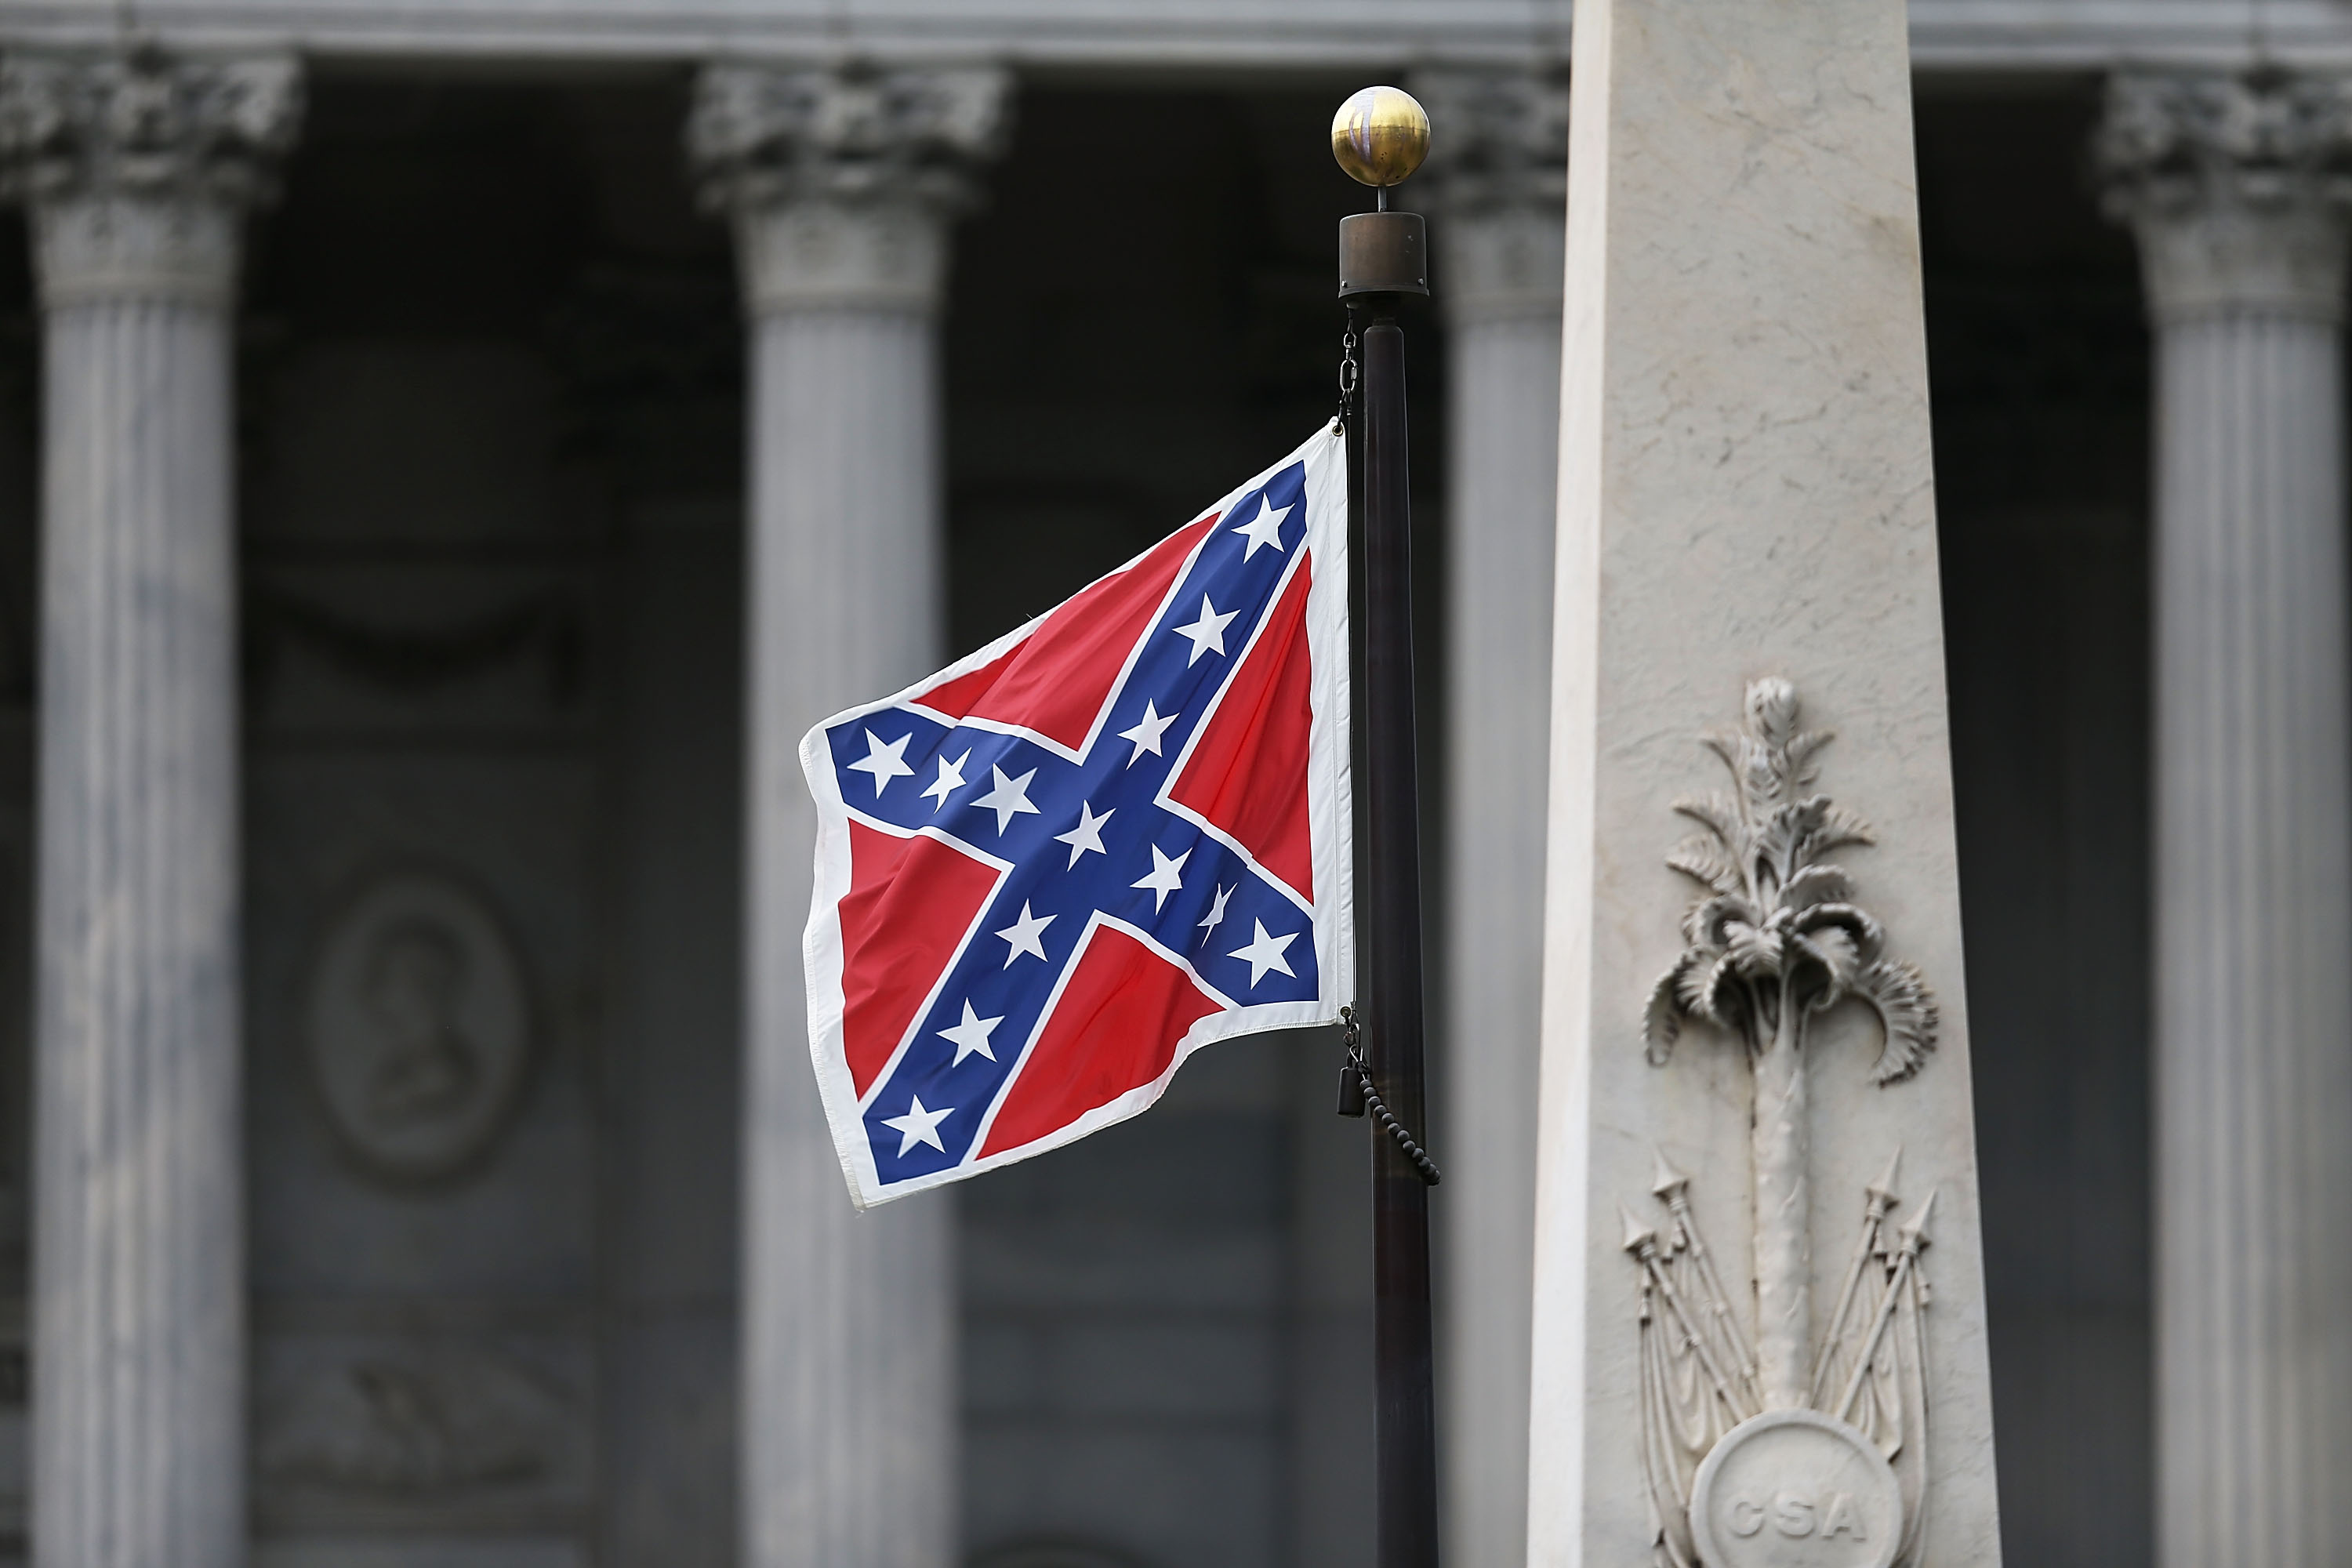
[(1795, 1489), (419, 1027)]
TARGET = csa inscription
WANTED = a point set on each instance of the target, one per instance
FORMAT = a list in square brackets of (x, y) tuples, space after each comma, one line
[(1796, 1489)]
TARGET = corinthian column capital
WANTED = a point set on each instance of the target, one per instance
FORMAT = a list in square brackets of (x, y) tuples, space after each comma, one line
[(138, 166), (2238, 187), (841, 183), (1497, 178)]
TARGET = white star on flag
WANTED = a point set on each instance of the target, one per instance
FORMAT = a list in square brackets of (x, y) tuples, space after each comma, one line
[(1216, 913), (950, 780), (919, 1126), (888, 762), (1009, 799), (1086, 835), (1266, 528), (1023, 933), (970, 1036), (1146, 733), (1265, 953), (1207, 634), (1165, 877)]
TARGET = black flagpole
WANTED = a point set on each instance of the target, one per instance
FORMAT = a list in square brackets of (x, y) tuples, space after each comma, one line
[(1383, 257)]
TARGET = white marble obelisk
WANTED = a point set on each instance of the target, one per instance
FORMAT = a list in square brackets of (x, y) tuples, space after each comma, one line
[(841, 189), (1758, 1334), (1496, 187), (2233, 186), (136, 172)]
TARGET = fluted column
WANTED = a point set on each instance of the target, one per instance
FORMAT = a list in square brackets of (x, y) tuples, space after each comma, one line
[(136, 171), (841, 189), (1498, 194), (2230, 184)]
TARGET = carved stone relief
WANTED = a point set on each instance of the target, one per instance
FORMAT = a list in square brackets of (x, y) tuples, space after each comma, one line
[(419, 1027), (420, 1423), (840, 179), (544, 625), (1782, 1445), (137, 164), (2235, 184), (438, 1421)]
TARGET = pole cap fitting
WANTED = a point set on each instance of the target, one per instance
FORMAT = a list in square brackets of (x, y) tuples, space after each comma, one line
[(1383, 253), (1381, 135)]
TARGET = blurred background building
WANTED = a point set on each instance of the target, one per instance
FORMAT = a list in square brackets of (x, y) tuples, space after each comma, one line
[(449, 451)]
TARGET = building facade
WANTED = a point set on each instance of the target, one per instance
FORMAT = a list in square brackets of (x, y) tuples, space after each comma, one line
[(449, 453)]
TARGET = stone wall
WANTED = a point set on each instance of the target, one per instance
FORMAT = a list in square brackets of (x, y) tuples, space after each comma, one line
[(2038, 367), (493, 542), (490, 430), (489, 626)]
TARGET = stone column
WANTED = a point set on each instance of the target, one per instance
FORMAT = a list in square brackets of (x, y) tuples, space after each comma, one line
[(2235, 188), (136, 171), (840, 188), (1498, 192)]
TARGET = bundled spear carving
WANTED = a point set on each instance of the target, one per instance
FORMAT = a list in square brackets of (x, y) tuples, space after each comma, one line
[(1773, 940)]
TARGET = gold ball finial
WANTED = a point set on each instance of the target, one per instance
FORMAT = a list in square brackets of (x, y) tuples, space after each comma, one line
[(1379, 135)]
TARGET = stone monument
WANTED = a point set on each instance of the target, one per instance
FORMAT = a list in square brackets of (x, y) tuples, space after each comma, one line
[(1758, 1296)]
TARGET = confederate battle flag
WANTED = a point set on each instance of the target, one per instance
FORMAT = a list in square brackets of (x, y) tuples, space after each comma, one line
[(1049, 873)]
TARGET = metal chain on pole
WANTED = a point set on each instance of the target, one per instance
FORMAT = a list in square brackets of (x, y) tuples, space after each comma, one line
[(1359, 1094), (1349, 373)]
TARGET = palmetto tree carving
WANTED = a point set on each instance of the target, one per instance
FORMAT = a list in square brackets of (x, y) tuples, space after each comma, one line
[(1775, 939)]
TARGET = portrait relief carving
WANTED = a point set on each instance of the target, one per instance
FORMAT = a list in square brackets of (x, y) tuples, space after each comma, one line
[(1767, 1440), (419, 1027)]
